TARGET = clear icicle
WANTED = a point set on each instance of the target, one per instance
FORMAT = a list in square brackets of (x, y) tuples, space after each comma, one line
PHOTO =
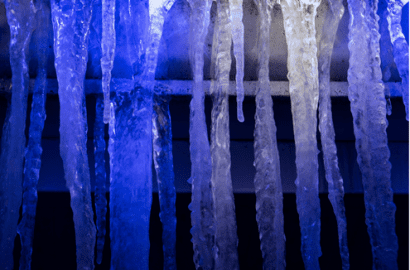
[(163, 160), (34, 150), (100, 177), (20, 18), (400, 47), (327, 132), (368, 107), (238, 50), (226, 240), (71, 22), (299, 21), (201, 165), (268, 185), (108, 51)]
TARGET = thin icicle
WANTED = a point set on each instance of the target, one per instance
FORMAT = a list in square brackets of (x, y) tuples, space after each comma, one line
[(201, 206), (327, 132), (21, 21), (299, 21), (226, 240), (368, 107), (268, 185), (163, 160), (71, 22), (100, 177), (237, 37)]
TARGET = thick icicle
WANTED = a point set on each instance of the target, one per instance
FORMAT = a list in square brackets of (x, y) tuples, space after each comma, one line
[(34, 150), (108, 50), (237, 37), (100, 177), (20, 17), (226, 240), (201, 165), (71, 20), (368, 107), (327, 132), (163, 160), (268, 185), (299, 21), (400, 47)]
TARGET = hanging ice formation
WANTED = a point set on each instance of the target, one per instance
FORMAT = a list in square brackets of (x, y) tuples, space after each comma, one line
[(299, 21), (21, 19), (201, 206), (327, 132), (268, 185), (226, 240), (163, 160), (368, 107), (71, 22), (400, 47)]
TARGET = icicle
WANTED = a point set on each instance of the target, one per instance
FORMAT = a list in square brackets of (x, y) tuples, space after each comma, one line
[(327, 132), (201, 165), (268, 185), (21, 19), (226, 240), (368, 107), (163, 160), (71, 22), (100, 177), (237, 37), (400, 47), (299, 21)]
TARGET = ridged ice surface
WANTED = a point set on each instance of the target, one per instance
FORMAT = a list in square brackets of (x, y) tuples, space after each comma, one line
[(226, 240), (268, 185), (71, 22), (20, 17), (327, 131), (163, 160), (368, 107), (201, 205), (299, 22)]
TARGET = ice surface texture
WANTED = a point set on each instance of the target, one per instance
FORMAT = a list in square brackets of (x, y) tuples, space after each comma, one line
[(21, 19), (299, 22), (327, 132), (71, 20), (368, 107), (268, 185)]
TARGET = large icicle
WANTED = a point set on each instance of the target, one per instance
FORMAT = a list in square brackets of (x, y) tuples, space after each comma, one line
[(163, 160), (237, 37), (20, 17), (400, 47), (201, 165), (71, 20), (268, 185), (100, 177), (226, 240), (34, 150), (368, 107), (327, 132), (299, 21)]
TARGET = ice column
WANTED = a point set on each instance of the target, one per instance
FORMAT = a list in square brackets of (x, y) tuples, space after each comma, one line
[(237, 37), (299, 21), (226, 240), (163, 160), (268, 185), (400, 47), (327, 132), (368, 107), (201, 206), (21, 19), (71, 20)]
